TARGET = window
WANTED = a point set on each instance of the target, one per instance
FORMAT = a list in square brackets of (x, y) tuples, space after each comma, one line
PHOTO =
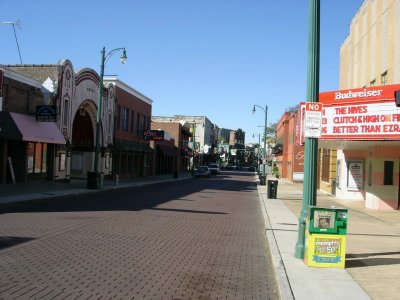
[(37, 158), (384, 78), (325, 172), (125, 119), (138, 124), (110, 123), (66, 110), (388, 168), (132, 120), (118, 125)]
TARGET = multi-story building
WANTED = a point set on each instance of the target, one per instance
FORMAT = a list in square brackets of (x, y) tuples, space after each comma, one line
[(30, 147), (75, 98), (204, 139), (132, 155), (359, 155), (288, 150), (176, 155)]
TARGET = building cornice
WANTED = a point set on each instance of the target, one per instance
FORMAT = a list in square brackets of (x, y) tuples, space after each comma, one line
[(122, 85)]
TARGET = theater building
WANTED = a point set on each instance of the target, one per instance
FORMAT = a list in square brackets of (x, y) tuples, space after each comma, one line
[(75, 96), (363, 125)]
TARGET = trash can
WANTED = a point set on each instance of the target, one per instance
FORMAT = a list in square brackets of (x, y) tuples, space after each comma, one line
[(325, 237), (262, 179), (92, 181), (175, 174), (272, 189)]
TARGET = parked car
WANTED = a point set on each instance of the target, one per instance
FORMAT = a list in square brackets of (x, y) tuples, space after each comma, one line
[(214, 169), (202, 171)]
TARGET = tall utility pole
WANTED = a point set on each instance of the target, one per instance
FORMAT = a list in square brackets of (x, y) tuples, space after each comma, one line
[(311, 144)]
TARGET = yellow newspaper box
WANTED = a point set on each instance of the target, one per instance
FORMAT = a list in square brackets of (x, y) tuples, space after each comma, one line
[(325, 237)]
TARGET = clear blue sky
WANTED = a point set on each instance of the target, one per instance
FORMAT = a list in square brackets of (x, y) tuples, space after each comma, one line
[(214, 58)]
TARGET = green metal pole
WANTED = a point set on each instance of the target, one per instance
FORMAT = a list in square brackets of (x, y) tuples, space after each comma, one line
[(258, 154), (98, 118), (311, 144), (265, 139)]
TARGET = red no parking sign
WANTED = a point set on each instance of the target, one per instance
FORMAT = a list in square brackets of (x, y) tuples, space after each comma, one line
[(313, 119)]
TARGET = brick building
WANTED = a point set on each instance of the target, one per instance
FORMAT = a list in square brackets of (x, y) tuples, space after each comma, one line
[(29, 149), (132, 156)]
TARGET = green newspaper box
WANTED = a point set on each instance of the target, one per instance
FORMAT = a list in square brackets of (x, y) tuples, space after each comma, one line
[(326, 230)]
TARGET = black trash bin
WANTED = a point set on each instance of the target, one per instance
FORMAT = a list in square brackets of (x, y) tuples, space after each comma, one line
[(262, 179), (92, 180), (272, 189)]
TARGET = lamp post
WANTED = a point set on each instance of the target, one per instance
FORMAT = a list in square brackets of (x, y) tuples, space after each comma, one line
[(265, 131), (104, 59), (311, 144)]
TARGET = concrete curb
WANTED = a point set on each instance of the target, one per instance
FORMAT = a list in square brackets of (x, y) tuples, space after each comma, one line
[(285, 290)]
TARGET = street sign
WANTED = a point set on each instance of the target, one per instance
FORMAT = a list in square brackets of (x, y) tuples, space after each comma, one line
[(313, 120), (46, 113)]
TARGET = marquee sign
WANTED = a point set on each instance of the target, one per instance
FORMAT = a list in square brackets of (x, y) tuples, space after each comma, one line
[(360, 114)]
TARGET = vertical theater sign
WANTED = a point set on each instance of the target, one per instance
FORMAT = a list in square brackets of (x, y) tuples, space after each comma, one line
[(364, 126)]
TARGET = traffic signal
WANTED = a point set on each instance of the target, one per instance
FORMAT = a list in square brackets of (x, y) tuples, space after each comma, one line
[(397, 98)]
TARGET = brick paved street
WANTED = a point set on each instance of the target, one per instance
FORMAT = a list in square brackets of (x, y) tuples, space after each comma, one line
[(201, 240)]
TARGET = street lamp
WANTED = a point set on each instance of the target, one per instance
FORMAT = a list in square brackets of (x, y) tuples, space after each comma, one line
[(104, 59), (265, 130)]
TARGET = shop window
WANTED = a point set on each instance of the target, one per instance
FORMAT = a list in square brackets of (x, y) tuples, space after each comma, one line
[(388, 168), (37, 158), (325, 172), (31, 155)]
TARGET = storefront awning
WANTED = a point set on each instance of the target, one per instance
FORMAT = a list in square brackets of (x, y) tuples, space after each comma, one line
[(15, 126), (168, 150)]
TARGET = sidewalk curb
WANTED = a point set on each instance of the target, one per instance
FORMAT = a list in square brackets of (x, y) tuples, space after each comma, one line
[(285, 290)]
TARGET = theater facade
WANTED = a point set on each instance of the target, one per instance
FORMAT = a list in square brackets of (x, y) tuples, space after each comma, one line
[(362, 127)]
